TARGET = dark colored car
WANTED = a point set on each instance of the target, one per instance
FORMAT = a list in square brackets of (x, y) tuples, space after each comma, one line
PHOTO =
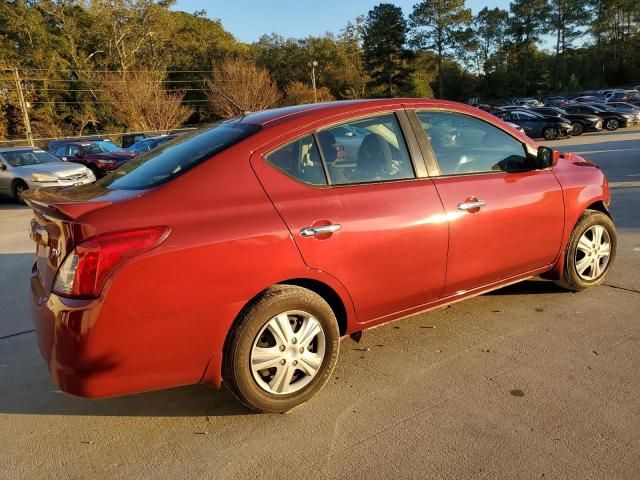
[(100, 156), (53, 144), (554, 101), (580, 122), (129, 139), (242, 252), (538, 126), (610, 120), (148, 144)]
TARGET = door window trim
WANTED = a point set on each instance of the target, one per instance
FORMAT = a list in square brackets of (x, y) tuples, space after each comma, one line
[(411, 139)]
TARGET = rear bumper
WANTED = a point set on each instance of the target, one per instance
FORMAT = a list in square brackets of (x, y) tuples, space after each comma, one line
[(94, 349)]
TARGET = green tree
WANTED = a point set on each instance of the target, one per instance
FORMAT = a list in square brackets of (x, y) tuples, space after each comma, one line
[(528, 22), (439, 25), (384, 39), (565, 18)]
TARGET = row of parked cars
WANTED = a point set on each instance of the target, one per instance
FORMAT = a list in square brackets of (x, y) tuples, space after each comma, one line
[(68, 162), (559, 117)]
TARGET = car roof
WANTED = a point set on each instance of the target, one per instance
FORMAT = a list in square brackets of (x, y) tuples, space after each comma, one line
[(18, 149), (277, 115)]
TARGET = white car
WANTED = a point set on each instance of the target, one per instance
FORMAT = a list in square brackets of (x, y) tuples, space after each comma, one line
[(22, 168)]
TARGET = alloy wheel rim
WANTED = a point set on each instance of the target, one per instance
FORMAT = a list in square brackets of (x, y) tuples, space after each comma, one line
[(550, 133), (592, 253), (612, 124), (288, 352)]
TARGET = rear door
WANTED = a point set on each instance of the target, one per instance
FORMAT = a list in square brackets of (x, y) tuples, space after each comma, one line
[(505, 218), (371, 222)]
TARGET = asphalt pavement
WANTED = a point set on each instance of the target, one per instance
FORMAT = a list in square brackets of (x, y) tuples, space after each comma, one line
[(526, 382)]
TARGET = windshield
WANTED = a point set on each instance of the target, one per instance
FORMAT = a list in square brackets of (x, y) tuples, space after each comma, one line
[(101, 147), (177, 156), (21, 158)]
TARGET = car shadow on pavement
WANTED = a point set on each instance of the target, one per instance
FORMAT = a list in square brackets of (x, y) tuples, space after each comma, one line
[(27, 389), (529, 287)]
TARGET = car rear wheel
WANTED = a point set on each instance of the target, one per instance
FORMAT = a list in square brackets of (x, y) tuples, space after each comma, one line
[(19, 187), (577, 130), (282, 350), (550, 133), (590, 252), (612, 124)]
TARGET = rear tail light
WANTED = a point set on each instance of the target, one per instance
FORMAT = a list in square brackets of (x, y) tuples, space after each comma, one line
[(87, 267)]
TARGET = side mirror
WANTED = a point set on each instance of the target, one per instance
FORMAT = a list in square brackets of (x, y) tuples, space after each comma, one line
[(547, 157)]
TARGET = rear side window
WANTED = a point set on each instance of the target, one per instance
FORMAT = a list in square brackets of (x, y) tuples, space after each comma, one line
[(300, 160), (367, 150), (174, 158)]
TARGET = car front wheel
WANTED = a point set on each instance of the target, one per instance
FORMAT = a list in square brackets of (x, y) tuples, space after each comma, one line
[(577, 130), (550, 133), (590, 251), (18, 189), (282, 350), (612, 124)]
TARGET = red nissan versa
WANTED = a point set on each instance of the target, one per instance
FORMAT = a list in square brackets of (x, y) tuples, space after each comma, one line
[(241, 253)]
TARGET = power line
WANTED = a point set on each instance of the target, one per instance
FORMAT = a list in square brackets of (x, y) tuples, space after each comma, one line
[(94, 102)]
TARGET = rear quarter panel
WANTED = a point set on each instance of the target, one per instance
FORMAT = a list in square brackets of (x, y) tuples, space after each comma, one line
[(173, 306)]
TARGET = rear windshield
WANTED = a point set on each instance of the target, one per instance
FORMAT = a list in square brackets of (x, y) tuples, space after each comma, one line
[(177, 156)]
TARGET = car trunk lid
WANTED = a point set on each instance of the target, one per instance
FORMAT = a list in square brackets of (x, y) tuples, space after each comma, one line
[(56, 224)]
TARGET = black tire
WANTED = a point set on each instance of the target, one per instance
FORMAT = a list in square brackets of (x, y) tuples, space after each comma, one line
[(611, 124), (577, 130), (19, 187), (236, 368), (550, 133), (571, 280), (95, 171)]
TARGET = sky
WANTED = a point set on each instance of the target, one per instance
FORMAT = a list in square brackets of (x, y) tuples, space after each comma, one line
[(248, 20)]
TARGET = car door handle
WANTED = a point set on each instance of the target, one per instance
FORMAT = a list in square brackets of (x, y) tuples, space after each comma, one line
[(311, 231), (471, 205)]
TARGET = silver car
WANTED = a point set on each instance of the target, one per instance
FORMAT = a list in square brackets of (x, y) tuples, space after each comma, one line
[(22, 168)]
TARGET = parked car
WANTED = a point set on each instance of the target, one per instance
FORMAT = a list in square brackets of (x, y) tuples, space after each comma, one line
[(517, 127), (586, 99), (554, 101), (23, 168), (610, 120), (53, 144), (528, 101), (100, 156), (623, 108), (580, 122), (538, 126), (616, 97), (129, 139), (148, 144), (242, 252)]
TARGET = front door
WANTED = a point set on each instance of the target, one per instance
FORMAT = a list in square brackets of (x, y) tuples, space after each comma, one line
[(506, 218), (368, 220)]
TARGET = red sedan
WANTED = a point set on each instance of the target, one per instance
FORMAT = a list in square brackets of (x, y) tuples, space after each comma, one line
[(241, 253)]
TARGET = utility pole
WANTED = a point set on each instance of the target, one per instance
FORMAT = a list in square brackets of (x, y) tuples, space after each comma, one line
[(23, 107), (313, 66)]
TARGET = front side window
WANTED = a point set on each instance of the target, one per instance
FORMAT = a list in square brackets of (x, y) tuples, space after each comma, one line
[(301, 160), (367, 150), (464, 144)]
